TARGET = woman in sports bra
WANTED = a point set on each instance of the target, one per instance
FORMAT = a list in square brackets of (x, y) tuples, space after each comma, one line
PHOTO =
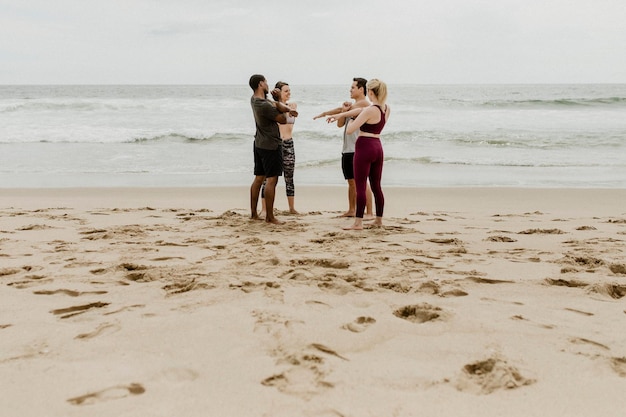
[(282, 93), (368, 154)]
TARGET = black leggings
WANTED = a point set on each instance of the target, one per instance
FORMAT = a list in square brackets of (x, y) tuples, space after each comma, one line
[(289, 165)]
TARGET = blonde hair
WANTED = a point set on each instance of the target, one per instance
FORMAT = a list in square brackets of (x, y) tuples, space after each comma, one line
[(379, 88)]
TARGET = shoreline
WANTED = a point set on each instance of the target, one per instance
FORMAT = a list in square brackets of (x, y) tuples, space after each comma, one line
[(397, 199)]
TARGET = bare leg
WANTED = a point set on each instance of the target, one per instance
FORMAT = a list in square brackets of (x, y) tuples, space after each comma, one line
[(255, 190), (292, 208), (351, 199), (262, 213), (270, 193), (369, 214)]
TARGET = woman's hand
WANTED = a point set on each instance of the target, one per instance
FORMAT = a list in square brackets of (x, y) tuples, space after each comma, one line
[(334, 118), (350, 113)]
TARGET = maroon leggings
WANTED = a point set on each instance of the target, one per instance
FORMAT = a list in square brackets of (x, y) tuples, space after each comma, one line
[(368, 163)]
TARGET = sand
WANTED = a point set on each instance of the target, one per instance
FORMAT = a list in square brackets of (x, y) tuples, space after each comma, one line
[(171, 302)]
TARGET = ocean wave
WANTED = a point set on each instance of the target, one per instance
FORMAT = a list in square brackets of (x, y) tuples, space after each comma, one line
[(318, 163), (561, 102), (319, 135), (182, 138), (38, 106), (443, 161), (542, 141)]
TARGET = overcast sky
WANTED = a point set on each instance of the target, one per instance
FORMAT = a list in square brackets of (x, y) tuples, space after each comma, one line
[(312, 42)]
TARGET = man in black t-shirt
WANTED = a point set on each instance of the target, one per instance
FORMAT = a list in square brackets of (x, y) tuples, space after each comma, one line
[(268, 159)]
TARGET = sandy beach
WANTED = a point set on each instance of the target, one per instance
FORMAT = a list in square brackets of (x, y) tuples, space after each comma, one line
[(171, 302)]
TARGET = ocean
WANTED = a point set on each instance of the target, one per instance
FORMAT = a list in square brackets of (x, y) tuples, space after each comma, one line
[(201, 135)]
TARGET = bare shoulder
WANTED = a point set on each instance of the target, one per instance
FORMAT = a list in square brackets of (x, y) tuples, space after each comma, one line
[(361, 103)]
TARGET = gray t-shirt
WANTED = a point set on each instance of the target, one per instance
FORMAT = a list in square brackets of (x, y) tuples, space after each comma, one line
[(349, 140), (267, 134)]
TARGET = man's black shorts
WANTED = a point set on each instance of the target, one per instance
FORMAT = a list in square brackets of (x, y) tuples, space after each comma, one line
[(347, 165), (268, 163)]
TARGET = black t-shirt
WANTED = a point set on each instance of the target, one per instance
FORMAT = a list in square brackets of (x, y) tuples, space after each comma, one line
[(267, 134)]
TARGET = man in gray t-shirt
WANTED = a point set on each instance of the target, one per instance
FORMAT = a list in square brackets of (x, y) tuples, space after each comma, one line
[(268, 157), (358, 92)]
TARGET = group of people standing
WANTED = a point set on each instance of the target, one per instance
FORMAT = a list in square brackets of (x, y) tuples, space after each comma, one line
[(362, 154)]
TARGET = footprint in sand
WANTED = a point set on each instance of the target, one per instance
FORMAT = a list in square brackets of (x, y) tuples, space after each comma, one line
[(300, 381), (400, 287), (71, 293), (75, 310), (480, 280), (9, 271), (542, 232), (615, 291), (574, 310), (102, 329), (566, 283), (324, 263), (501, 238), (586, 228), (588, 262), (487, 376), (420, 313), (360, 324), (30, 281), (618, 269), (587, 342), (445, 241), (113, 393), (619, 366), (305, 376)]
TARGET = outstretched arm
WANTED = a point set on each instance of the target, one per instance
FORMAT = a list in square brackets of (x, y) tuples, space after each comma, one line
[(343, 115), (328, 113), (346, 105)]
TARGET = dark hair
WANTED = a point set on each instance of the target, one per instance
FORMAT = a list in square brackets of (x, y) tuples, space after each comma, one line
[(280, 85), (255, 80), (361, 83)]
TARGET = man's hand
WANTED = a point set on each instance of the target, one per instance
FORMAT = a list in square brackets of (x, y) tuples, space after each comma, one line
[(276, 94)]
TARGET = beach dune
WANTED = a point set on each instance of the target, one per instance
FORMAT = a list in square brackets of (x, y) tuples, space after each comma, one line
[(161, 302)]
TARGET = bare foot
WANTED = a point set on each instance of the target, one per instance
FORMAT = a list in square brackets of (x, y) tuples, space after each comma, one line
[(255, 217), (357, 225), (293, 211), (348, 214), (273, 220)]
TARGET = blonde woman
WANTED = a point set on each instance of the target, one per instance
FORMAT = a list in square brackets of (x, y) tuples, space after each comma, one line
[(368, 153)]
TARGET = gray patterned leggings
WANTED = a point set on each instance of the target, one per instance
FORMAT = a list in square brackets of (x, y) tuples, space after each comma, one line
[(289, 165)]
